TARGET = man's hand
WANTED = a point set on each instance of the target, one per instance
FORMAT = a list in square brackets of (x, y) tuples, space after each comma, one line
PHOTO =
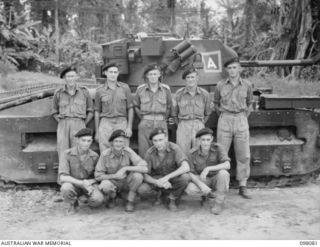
[(121, 174), (87, 185), (162, 181), (203, 175), (205, 189), (128, 132)]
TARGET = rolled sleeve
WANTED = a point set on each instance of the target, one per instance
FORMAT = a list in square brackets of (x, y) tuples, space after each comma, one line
[(191, 165), (136, 100), (148, 159), (64, 168), (100, 168), (207, 109), (129, 97), (222, 154), (217, 96), (249, 99), (97, 102), (169, 101), (134, 157), (89, 101), (180, 156), (175, 108), (55, 104)]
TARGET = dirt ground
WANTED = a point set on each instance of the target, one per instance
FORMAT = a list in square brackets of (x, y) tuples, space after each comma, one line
[(277, 213)]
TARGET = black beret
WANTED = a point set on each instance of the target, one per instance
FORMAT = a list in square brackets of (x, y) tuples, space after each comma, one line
[(84, 132), (66, 70), (157, 131), (109, 65), (116, 134), (204, 131), (231, 60), (188, 71), (150, 67)]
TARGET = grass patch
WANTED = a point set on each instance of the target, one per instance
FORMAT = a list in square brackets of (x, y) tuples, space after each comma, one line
[(26, 78), (286, 87)]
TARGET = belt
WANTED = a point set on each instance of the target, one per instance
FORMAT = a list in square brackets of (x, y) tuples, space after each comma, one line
[(153, 117), (233, 113), (73, 118)]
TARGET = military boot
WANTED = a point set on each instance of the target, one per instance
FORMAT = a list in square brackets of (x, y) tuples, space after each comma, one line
[(244, 192), (129, 207), (172, 205), (217, 208)]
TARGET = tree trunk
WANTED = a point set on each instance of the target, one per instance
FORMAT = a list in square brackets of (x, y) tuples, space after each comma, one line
[(304, 33)]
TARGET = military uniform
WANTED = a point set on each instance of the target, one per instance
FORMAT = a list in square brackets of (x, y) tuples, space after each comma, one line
[(113, 106), (233, 103), (158, 168), (109, 163), (217, 180), (72, 111), (80, 167), (154, 109), (191, 112)]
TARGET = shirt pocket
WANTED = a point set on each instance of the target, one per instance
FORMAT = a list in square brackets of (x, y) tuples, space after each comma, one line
[(145, 103), (106, 101), (122, 103), (161, 104), (183, 105), (199, 105), (63, 104), (80, 105)]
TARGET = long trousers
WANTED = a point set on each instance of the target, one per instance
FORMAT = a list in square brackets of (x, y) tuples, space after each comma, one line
[(219, 183), (234, 127), (66, 130), (71, 193), (144, 129), (186, 134)]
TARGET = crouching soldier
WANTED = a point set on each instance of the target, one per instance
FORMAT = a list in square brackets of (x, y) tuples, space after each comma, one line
[(168, 169), (119, 169), (76, 170), (208, 170)]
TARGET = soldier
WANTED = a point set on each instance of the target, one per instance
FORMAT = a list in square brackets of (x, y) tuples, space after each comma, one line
[(191, 110), (208, 170), (167, 169), (76, 169), (153, 102), (119, 168), (113, 107), (233, 99), (72, 109)]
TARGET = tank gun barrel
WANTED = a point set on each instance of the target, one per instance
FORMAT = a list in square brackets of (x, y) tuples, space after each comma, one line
[(273, 63)]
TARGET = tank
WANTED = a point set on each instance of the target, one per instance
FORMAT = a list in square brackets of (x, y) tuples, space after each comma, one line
[(284, 131)]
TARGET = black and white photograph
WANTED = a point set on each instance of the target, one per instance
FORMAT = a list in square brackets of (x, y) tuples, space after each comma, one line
[(159, 120)]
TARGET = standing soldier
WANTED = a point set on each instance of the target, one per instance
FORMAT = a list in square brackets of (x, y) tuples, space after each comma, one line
[(191, 110), (232, 99), (208, 170), (119, 168), (76, 170), (167, 169), (153, 104), (72, 109), (113, 107)]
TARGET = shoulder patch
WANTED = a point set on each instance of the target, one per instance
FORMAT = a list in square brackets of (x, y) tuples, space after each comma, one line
[(165, 86), (141, 86)]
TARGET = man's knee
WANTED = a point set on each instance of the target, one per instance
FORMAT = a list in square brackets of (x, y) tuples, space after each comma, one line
[(137, 177), (223, 174), (106, 186), (66, 188), (192, 189), (185, 178), (145, 190), (96, 199)]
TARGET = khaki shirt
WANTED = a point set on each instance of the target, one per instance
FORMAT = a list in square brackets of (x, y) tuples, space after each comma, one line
[(149, 102), (71, 165), (110, 163), (199, 161), (75, 106), (171, 162), (112, 103), (231, 98), (191, 107)]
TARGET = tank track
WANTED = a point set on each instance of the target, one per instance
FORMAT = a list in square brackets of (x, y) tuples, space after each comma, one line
[(263, 182)]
